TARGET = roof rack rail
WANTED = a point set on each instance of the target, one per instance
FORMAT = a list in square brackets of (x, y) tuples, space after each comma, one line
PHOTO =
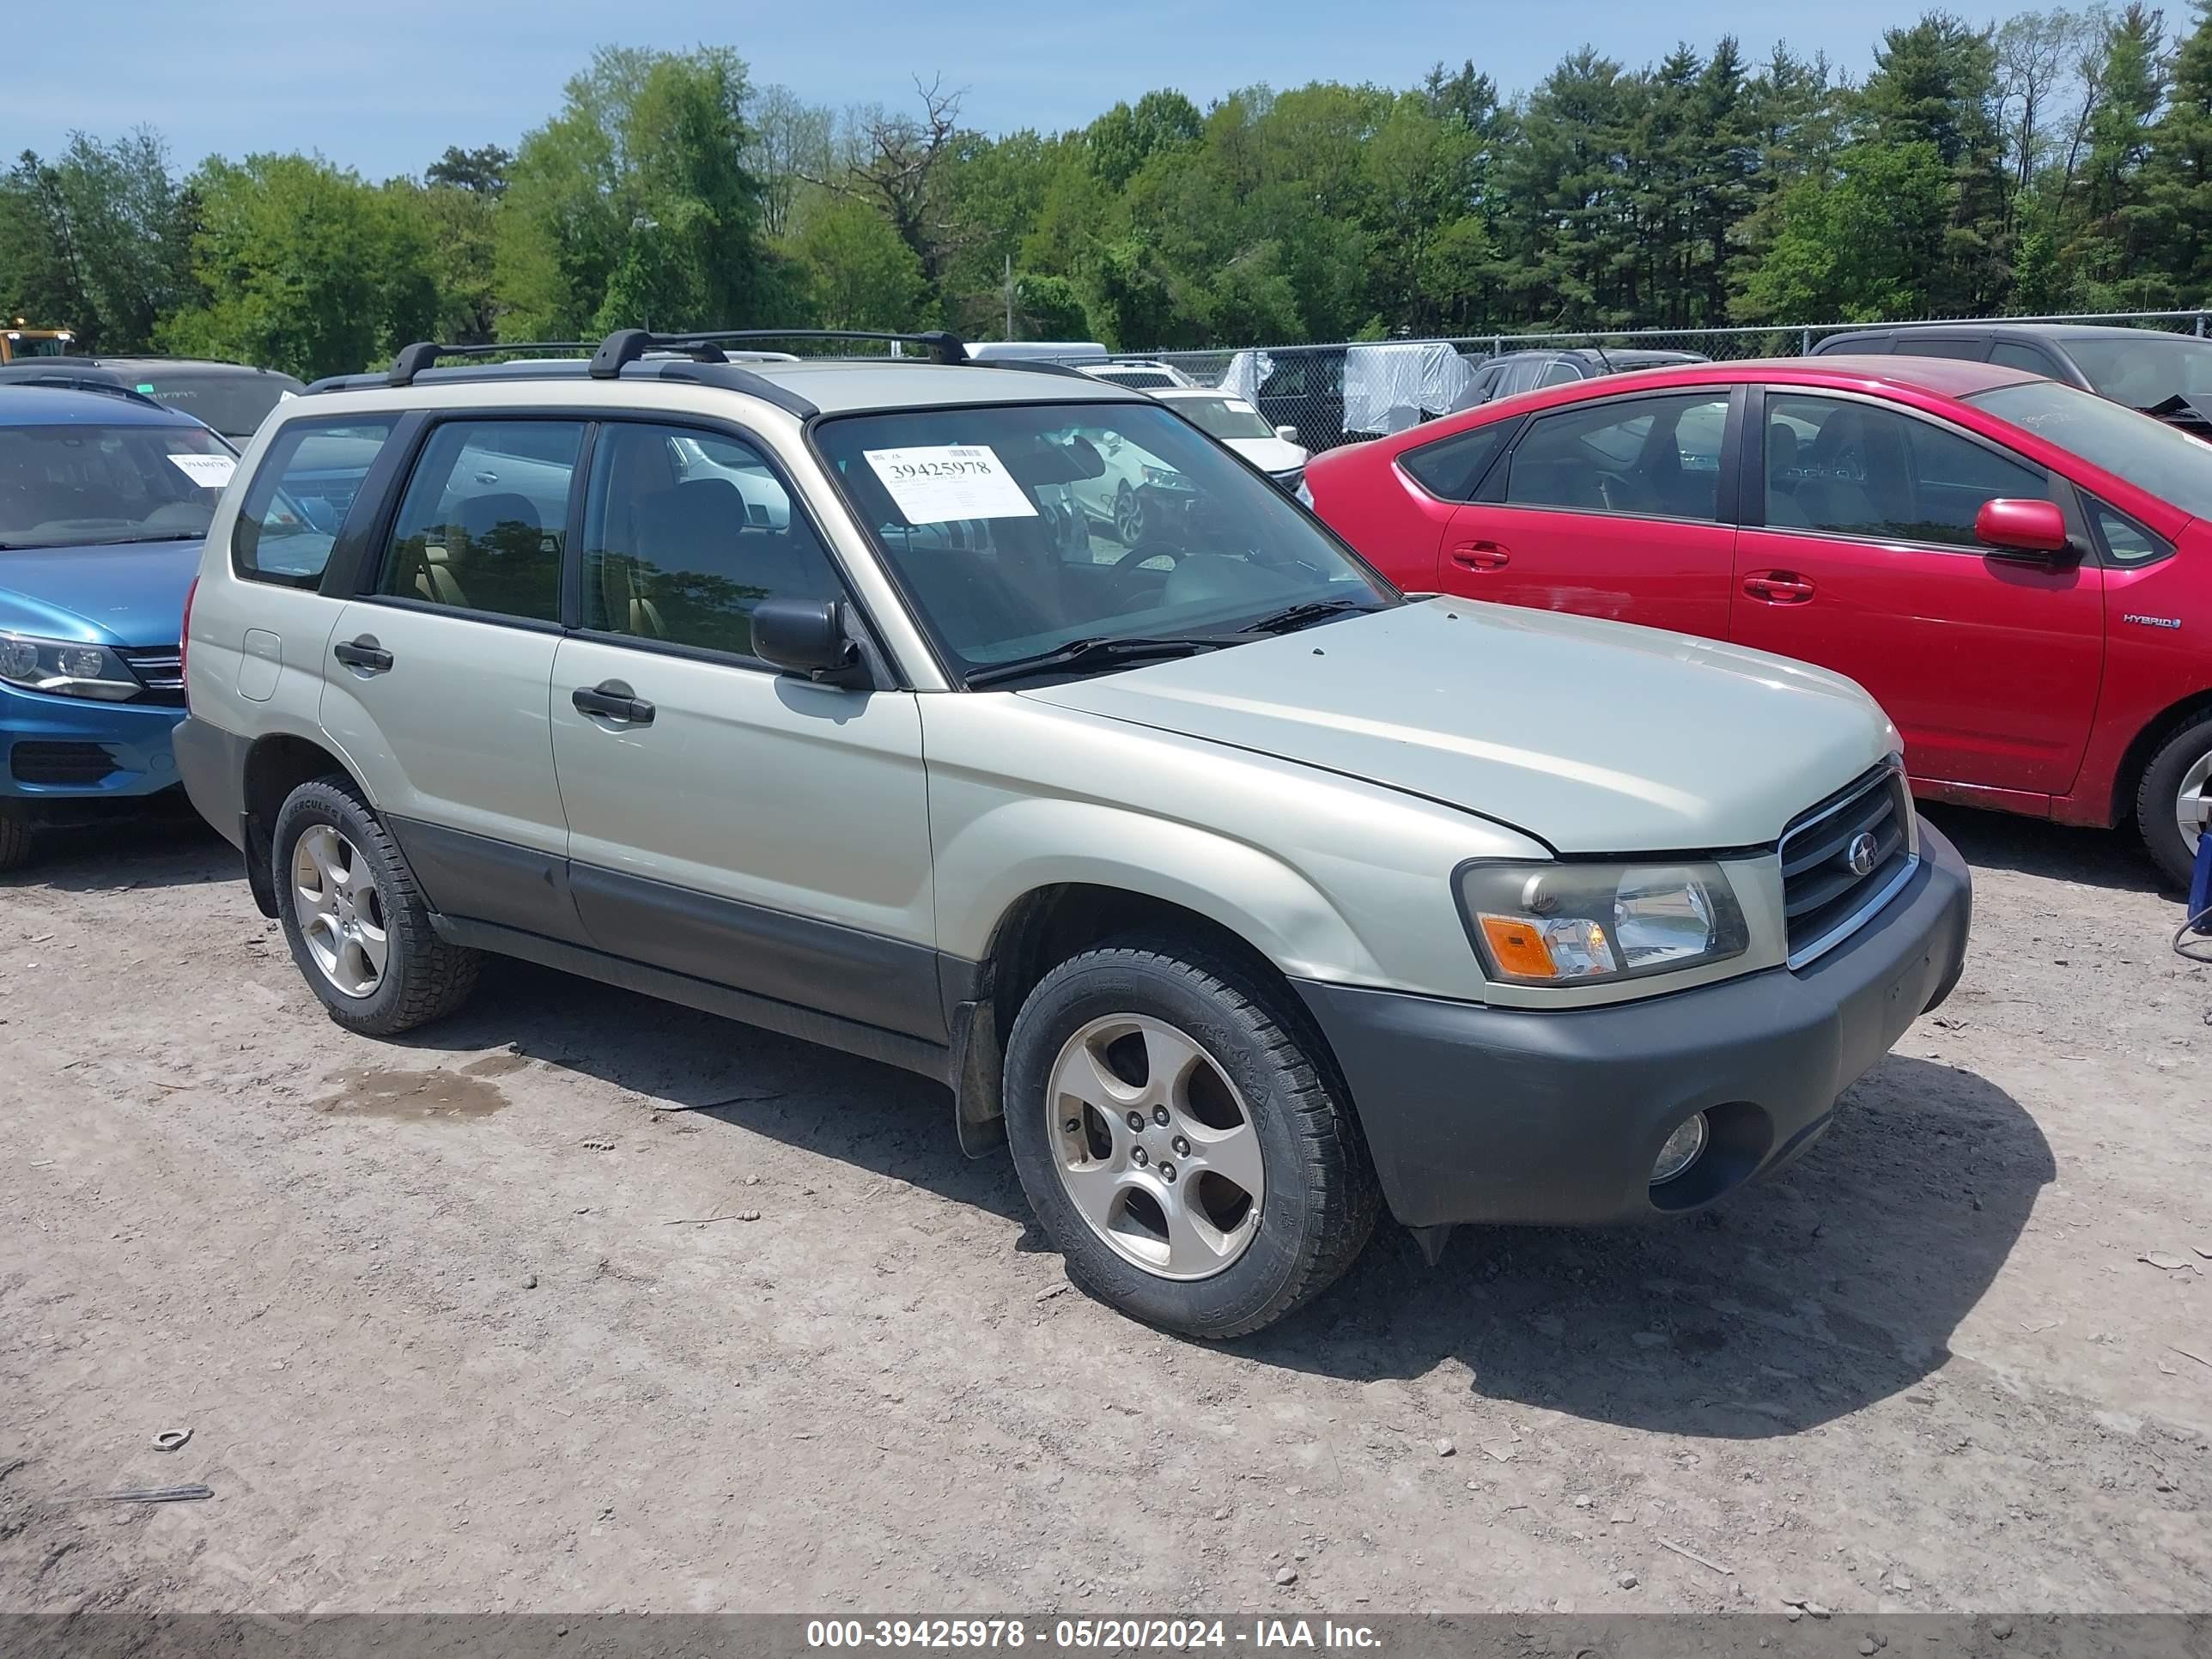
[(414, 359), (628, 345), (1039, 365), (63, 381)]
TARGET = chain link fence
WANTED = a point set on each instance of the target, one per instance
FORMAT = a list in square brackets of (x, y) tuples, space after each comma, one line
[(1342, 391)]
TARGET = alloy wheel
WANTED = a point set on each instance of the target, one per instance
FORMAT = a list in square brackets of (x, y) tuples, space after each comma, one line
[(2192, 801), (339, 910), (1155, 1147)]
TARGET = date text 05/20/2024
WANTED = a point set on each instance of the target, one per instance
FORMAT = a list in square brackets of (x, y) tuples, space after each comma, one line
[(1088, 1635)]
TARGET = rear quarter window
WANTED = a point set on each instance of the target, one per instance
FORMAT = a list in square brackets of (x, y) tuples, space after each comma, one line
[(298, 499), (1452, 468)]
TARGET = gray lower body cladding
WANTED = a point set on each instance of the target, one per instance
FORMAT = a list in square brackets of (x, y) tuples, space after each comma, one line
[(1479, 1114)]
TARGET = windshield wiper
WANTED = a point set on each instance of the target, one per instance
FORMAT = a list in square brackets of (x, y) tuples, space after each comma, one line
[(1294, 617), (1103, 653), (133, 541)]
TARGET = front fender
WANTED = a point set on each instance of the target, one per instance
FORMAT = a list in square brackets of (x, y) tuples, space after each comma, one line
[(989, 863)]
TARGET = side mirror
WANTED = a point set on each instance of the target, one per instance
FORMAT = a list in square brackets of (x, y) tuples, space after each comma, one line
[(2019, 527), (1289, 435), (806, 637)]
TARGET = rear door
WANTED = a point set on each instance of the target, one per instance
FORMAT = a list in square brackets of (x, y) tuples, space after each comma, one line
[(1612, 508), (726, 822), (1858, 553), (441, 666)]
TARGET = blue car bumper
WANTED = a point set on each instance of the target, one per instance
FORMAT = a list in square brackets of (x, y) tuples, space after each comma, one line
[(59, 755)]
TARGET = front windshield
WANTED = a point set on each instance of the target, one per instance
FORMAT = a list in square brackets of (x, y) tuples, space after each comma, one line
[(1018, 529), (1223, 417), (2145, 373), (2149, 454), (232, 403), (81, 485)]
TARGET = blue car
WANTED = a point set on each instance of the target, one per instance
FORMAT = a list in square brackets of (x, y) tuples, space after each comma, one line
[(104, 498)]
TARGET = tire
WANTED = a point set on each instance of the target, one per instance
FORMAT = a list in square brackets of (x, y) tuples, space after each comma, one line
[(421, 977), (15, 839), (2185, 759), (1128, 516), (1319, 1197)]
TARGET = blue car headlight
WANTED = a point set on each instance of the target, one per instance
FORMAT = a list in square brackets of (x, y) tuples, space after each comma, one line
[(66, 668)]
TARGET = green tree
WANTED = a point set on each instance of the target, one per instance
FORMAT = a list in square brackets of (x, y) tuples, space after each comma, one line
[(102, 230), (2174, 222), (633, 206), (1859, 247), (306, 268), (858, 271)]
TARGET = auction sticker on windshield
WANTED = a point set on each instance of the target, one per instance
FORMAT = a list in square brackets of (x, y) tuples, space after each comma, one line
[(207, 471), (937, 483)]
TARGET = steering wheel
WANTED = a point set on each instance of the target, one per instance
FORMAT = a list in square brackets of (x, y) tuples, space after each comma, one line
[(1620, 493), (1144, 552)]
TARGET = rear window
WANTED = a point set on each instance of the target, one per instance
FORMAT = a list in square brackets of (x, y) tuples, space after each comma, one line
[(233, 404), (299, 499)]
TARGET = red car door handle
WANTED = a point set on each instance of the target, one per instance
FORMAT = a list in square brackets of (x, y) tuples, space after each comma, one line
[(1480, 555), (1778, 588)]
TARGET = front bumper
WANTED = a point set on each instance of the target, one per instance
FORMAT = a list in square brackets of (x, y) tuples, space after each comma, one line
[(1479, 1114), (61, 741)]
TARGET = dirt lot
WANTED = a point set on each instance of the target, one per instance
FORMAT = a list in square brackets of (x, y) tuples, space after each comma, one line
[(582, 1302)]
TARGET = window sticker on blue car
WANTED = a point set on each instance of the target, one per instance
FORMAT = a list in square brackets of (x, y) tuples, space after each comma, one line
[(938, 484), (207, 471)]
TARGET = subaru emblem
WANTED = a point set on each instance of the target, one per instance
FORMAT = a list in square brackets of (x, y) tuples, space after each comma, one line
[(1862, 854)]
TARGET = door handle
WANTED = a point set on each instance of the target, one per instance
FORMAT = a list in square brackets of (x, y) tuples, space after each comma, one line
[(1481, 555), (1778, 588), (364, 654), (612, 700)]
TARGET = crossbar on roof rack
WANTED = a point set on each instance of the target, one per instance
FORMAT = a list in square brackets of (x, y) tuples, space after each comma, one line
[(628, 345), (65, 382), (414, 359)]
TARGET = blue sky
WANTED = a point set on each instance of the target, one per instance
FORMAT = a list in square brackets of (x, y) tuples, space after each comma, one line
[(385, 86)]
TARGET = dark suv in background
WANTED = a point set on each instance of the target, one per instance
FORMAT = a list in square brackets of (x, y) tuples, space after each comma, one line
[(2165, 375), (231, 397), (1512, 372)]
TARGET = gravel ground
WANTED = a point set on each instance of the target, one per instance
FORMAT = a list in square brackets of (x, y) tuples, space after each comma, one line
[(582, 1302)]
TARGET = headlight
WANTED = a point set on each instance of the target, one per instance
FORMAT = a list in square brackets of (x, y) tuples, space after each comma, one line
[(1576, 924), (1162, 477), (65, 668), (1304, 493)]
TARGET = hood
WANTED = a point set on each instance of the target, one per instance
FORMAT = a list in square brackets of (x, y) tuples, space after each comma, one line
[(1594, 737), (131, 595), (1269, 454)]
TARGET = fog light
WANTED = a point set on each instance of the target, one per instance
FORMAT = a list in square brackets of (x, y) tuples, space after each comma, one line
[(1680, 1151)]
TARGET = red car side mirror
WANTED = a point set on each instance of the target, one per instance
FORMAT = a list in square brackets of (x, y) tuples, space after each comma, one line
[(2020, 526)]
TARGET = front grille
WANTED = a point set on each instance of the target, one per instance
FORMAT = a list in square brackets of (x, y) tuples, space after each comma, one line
[(1824, 896), (160, 669), (60, 762)]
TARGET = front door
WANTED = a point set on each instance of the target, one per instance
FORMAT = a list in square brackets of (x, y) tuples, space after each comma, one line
[(1866, 563), (725, 822), (1607, 508), (437, 689)]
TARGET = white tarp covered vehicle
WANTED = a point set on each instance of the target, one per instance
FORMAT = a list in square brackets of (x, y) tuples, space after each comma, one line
[(1389, 386)]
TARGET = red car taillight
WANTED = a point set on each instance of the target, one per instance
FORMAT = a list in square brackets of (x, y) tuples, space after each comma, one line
[(184, 644)]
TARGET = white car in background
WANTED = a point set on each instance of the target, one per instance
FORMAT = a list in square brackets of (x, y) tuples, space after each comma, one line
[(1238, 424), (1141, 498), (1142, 374)]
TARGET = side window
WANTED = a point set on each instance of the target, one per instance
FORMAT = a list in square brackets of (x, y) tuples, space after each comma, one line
[(1560, 373), (2126, 541), (1657, 456), (2031, 358), (1452, 469), (684, 532), (1857, 470), (293, 507), (480, 523)]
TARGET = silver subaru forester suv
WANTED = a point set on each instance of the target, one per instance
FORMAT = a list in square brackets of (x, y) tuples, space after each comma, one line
[(1241, 893)]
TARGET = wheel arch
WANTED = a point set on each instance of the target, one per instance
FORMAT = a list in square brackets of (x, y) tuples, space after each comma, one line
[(1052, 921), (276, 765), (2136, 759)]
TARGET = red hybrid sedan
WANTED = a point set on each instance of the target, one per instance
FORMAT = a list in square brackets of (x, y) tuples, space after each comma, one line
[(2020, 571)]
